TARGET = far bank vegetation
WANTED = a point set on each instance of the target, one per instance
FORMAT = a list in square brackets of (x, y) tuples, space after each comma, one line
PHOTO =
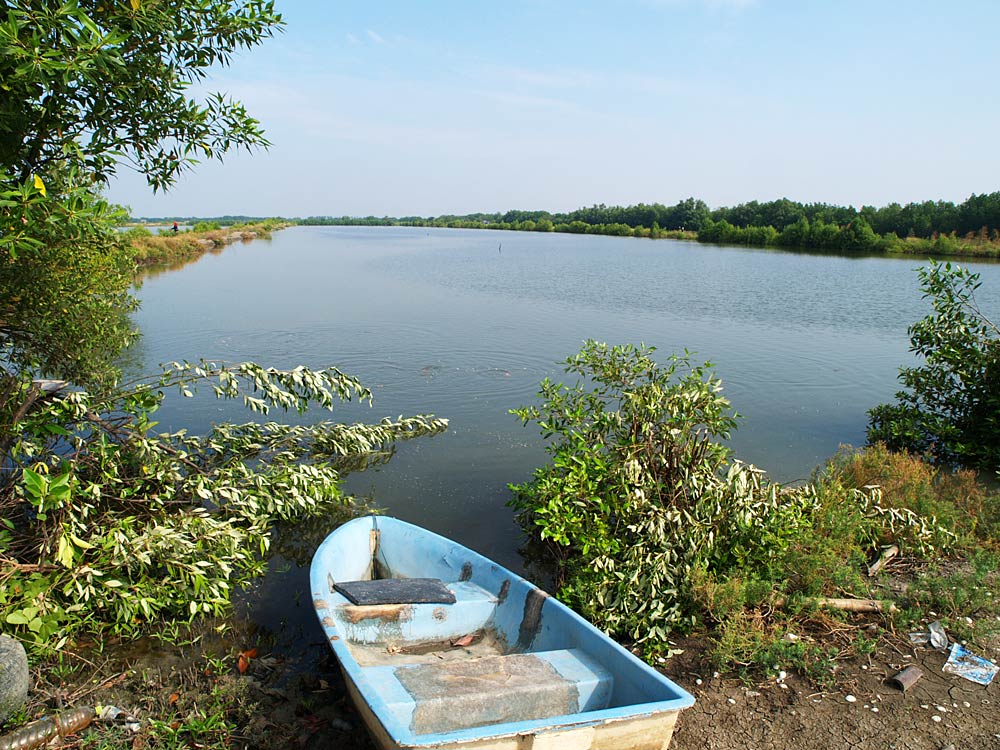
[(169, 248), (938, 228)]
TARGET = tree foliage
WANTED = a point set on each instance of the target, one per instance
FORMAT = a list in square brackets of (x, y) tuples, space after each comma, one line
[(64, 279), (950, 405), (101, 82), (89, 85)]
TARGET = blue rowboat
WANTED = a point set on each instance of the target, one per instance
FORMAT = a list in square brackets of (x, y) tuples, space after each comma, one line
[(443, 648)]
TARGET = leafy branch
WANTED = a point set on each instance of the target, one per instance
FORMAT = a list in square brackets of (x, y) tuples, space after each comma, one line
[(109, 525)]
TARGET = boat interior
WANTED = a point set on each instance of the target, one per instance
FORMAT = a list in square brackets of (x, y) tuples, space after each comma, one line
[(460, 642)]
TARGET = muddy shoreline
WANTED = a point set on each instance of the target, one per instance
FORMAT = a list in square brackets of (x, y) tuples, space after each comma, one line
[(287, 699)]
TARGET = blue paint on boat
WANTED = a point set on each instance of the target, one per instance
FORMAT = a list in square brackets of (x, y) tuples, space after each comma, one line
[(549, 669)]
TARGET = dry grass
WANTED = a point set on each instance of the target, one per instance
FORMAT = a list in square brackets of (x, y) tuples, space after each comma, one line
[(171, 249)]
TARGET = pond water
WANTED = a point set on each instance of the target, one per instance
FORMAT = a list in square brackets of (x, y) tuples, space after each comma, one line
[(464, 324)]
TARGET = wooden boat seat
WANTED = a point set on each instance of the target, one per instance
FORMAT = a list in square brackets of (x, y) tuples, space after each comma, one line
[(453, 695)]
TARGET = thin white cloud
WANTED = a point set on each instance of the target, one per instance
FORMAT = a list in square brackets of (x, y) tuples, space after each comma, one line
[(553, 79), (375, 37), (580, 80), (736, 5), (521, 100)]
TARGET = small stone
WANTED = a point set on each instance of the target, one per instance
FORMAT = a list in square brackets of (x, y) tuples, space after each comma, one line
[(783, 685), (941, 709), (874, 709), (732, 701), (697, 681), (850, 698), (782, 675), (936, 718), (967, 704), (924, 705), (13, 676)]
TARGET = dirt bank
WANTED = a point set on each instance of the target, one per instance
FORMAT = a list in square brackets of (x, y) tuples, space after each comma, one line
[(196, 694)]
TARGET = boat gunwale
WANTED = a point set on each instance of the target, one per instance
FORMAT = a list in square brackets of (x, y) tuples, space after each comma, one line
[(404, 736)]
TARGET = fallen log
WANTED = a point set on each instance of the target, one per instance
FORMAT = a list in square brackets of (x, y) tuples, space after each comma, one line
[(846, 605)]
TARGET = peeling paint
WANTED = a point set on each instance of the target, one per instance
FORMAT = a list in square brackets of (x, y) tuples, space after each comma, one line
[(504, 590), (328, 622), (531, 621), (440, 613), (385, 612), (320, 603), (466, 572)]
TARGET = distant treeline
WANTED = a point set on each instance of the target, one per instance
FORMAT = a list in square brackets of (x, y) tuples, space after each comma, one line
[(650, 220), (225, 221), (938, 227)]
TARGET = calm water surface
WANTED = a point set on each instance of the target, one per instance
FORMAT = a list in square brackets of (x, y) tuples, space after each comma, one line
[(464, 324)]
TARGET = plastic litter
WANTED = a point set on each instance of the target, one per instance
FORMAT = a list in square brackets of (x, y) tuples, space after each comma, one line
[(115, 715), (934, 635), (966, 664), (939, 639)]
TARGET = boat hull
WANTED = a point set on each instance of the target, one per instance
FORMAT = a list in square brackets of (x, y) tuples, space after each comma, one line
[(496, 664)]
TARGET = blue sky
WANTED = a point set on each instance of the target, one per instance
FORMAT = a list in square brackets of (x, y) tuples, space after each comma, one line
[(400, 108)]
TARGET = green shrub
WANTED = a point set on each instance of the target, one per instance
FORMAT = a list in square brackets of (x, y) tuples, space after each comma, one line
[(949, 407), (640, 492), (654, 527), (134, 233)]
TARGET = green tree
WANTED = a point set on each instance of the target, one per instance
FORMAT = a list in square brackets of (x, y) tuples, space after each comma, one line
[(88, 86), (950, 406), (104, 524), (64, 295), (104, 83)]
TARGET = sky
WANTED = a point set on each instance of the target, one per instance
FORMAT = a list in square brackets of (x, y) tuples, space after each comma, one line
[(453, 107)]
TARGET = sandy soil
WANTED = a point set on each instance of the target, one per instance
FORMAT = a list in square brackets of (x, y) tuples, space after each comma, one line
[(863, 711)]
